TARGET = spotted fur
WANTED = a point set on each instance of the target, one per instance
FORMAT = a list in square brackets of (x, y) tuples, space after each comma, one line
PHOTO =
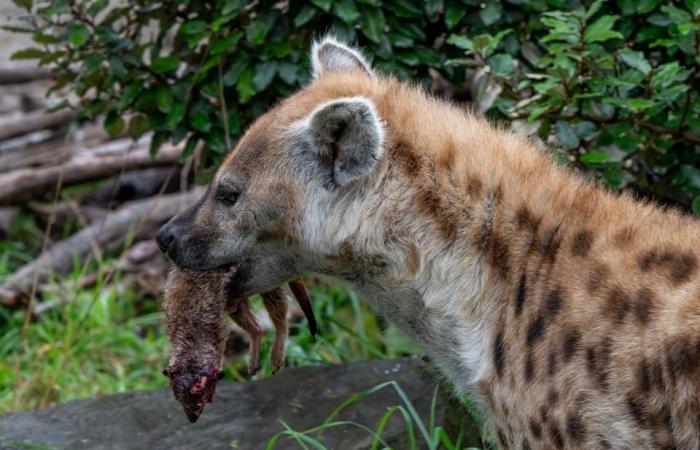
[(572, 312)]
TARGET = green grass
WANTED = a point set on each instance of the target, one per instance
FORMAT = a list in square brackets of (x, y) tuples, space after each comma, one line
[(418, 433)]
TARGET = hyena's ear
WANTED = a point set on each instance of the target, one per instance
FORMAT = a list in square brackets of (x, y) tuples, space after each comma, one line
[(347, 136), (329, 55)]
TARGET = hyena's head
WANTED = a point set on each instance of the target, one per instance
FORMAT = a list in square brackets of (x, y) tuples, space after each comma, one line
[(293, 185)]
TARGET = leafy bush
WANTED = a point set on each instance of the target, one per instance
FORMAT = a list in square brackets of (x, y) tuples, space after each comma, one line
[(611, 85)]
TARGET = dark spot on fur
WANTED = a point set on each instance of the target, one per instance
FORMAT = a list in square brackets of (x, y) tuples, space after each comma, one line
[(636, 410), (553, 304), (474, 186), (529, 367), (552, 397), (686, 264), (535, 330), (499, 354), (552, 364), (445, 216), (624, 237), (656, 377), (682, 355), (582, 243), (551, 308), (679, 265), (598, 360), (644, 305), (555, 434), (499, 255), (597, 277), (549, 243), (526, 444), (643, 377), (501, 438), (520, 295), (616, 305), (535, 428), (525, 220), (570, 345), (575, 427), (407, 160)]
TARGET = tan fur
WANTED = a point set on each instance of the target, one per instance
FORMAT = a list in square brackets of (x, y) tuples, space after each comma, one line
[(572, 312)]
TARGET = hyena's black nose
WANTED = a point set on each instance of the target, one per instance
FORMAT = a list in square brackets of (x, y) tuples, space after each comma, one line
[(165, 238)]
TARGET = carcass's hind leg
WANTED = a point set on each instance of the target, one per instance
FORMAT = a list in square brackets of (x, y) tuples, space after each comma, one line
[(242, 313), (275, 302)]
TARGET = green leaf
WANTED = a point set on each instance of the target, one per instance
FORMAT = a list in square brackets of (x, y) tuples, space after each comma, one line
[(613, 176), (646, 6), (175, 116), (28, 53), (156, 142), (491, 13), (113, 124), (594, 8), (323, 4), (138, 125), (454, 12), (257, 32), (306, 13), (691, 174), (462, 42), (696, 205), (200, 121), (433, 7), (78, 35), (227, 43), (245, 86), (128, 95), (373, 24), (595, 157), (677, 15), (636, 60), (288, 72), (193, 27), (566, 135), (264, 73), (164, 98), (96, 7), (601, 30), (165, 64), (502, 65), (24, 4), (346, 10)]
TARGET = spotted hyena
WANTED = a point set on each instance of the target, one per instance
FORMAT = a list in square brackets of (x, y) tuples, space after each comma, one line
[(572, 312)]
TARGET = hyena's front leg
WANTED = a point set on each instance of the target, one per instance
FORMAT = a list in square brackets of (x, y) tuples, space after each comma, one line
[(241, 311), (275, 302)]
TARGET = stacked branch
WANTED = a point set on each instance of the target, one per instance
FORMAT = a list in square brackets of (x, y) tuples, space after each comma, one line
[(133, 221)]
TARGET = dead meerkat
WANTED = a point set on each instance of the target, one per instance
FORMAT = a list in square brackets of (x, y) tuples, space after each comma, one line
[(195, 306)]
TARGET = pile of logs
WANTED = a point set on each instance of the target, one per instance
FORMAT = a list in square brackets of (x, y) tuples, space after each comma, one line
[(113, 192)]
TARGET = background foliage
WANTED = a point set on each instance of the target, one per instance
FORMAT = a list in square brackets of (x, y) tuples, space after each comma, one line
[(612, 86)]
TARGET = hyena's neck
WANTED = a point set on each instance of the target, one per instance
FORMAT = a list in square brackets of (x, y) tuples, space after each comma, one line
[(442, 244)]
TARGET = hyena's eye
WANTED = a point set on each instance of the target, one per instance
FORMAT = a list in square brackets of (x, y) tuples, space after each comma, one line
[(226, 196)]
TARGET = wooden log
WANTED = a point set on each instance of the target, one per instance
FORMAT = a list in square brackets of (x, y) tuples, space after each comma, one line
[(7, 218), (34, 122), (135, 220), (56, 151), (16, 75), (21, 184)]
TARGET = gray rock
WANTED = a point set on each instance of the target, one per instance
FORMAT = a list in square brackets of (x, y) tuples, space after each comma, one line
[(243, 415)]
